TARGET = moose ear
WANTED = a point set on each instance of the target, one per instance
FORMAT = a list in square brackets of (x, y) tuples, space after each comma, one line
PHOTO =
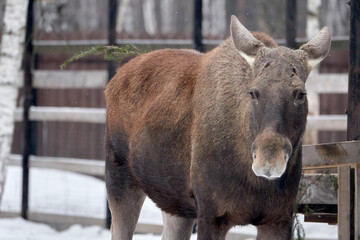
[(244, 41), (318, 47)]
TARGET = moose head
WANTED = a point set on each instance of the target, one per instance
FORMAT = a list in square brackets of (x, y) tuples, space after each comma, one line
[(277, 96)]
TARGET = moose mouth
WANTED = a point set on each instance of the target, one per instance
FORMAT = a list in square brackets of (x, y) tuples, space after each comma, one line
[(270, 169), (270, 154)]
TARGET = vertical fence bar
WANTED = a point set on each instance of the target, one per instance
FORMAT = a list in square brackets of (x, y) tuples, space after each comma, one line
[(197, 34), (111, 69), (111, 66), (353, 110), (28, 99), (357, 202), (344, 196), (352, 202), (291, 12)]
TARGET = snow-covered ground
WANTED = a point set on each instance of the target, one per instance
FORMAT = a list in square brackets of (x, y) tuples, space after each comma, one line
[(58, 192)]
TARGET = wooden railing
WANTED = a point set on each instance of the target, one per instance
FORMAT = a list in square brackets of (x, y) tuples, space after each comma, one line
[(324, 84), (316, 84), (344, 157)]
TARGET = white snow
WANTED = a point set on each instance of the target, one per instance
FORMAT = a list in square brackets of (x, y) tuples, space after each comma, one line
[(59, 192), (19, 229)]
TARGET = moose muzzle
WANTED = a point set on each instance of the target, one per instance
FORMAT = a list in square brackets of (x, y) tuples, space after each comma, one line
[(270, 153)]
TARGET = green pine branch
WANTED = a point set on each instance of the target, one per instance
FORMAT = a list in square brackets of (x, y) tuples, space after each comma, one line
[(111, 53)]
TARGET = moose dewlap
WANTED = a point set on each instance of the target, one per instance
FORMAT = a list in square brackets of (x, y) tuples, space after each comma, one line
[(212, 137)]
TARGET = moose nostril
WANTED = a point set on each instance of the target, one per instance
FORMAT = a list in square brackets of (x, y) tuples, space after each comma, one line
[(286, 157), (253, 155), (267, 173)]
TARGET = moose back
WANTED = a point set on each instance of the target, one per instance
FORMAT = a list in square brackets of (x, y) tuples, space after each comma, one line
[(212, 137)]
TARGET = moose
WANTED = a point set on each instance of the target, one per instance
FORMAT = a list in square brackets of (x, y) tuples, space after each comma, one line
[(213, 138)]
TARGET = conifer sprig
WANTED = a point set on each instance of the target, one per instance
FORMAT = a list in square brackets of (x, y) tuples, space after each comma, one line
[(111, 53)]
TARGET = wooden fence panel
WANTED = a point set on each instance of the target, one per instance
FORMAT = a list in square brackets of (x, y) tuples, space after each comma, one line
[(330, 155)]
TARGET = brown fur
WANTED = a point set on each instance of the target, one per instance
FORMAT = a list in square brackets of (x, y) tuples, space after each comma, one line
[(265, 39), (182, 128)]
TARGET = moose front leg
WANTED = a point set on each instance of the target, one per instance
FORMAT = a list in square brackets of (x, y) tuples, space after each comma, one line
[(214, 228), (275, 231), (176, 228)]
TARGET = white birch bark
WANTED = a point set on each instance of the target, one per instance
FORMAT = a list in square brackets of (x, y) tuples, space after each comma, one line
[(124, 4), (11, 53), (168, 19), (214, 18), (312, 28), (313, 18), (149, 17)]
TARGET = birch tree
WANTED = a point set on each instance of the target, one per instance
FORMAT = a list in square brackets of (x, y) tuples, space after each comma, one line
[(11, 52)]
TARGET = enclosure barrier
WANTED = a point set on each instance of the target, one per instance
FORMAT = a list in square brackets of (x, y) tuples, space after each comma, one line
[(345, 158), (317, 84), (340, 156), (314, 156)]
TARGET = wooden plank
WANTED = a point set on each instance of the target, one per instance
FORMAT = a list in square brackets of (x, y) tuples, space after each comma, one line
[(330, 218), (70, 79), (327, 83), (71, 46), (316, 83), (327, 122), (330, 155), (84, 166), (62, 221), (357, 201), (59, 221), (97, 115), (65, 114), (344, 203), (67, 79)]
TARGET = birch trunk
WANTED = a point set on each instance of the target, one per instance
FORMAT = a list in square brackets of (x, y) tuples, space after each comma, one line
[(11, 53)]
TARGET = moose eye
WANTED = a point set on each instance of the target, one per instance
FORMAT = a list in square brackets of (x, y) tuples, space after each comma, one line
[(300, 97), (253, 94)]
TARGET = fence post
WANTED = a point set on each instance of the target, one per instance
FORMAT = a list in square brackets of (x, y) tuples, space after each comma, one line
[(113, 5), (27, 130), (111, 69), (344, 196), (197, 33), (291, 23), (357, 202), (353, 111)]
